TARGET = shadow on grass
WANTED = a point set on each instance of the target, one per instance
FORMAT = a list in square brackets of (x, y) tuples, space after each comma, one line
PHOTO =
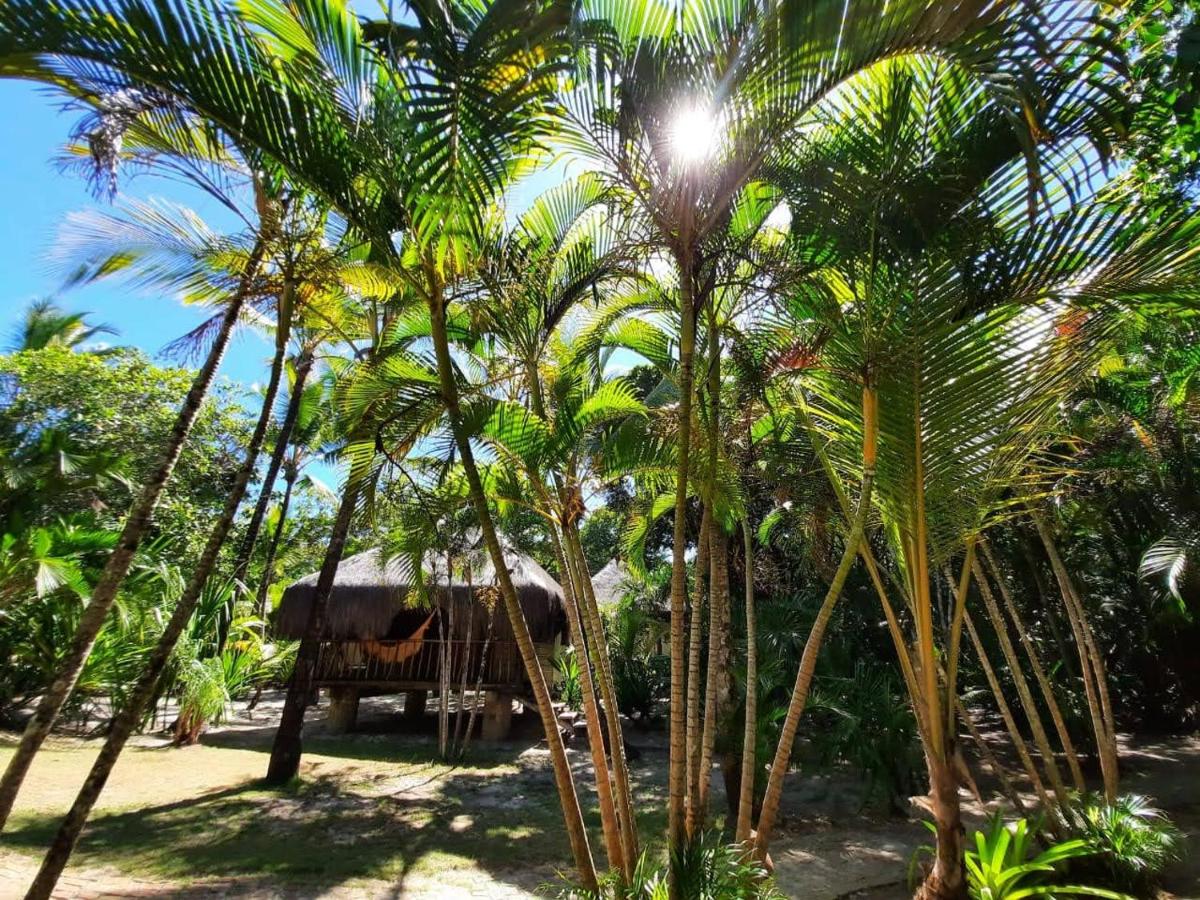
[(315, 834)]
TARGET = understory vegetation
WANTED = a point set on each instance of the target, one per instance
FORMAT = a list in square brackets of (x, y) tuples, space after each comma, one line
[(855, 343)]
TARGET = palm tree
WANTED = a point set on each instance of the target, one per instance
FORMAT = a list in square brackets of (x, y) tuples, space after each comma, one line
[(682, 106), (969, 361), (46, 324), (168, 251)]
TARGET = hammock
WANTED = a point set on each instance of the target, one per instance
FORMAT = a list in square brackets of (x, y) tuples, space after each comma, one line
[(399, 651)]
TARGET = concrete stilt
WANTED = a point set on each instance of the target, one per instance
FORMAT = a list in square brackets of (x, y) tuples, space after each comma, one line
[(414, 704), (343, 709), (497, 716)]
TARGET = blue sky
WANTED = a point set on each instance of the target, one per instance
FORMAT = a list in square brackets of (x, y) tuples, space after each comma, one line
[(34, 198)]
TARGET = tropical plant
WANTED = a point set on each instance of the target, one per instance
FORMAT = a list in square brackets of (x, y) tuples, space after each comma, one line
[(711, 870), (570, 692), (1131, 841), (1005, 865)]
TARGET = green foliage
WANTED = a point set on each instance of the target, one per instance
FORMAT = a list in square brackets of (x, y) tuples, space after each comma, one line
[(1132, 842), (865, 720), (708, 869), (570, 687), (600, 535), (1004, 865)]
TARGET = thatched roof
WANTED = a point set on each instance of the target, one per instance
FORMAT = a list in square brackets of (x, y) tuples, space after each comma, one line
[(372, 600), (610, 585)]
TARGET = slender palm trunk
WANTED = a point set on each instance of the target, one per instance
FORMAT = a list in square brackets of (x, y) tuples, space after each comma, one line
[(696, 633), (591, 712), (137, 524), (1095, 681), (1047, 689), (808, 664), (812, 647), (716, 685), (572, 814), (1010, 723), (1026, 696), (142, 695), (264, 583), (598, 642), (241, 566), (677, 769), (750, 732), (287, 748), (1006, 783)]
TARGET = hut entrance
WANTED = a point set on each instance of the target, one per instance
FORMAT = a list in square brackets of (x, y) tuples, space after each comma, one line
[(382, 636)]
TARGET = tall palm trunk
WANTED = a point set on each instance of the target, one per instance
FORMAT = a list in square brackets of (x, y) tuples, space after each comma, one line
[(264, 583), (750, 732), (241, 566), (1035, 663), (594, 640), (1010, 723), (137, 524), (695, 634), (288, 745), (716, 685), (1095, 681), (143, 692), (677, 768), (598, 642), (591, 712), (1032, 715), (812, 647), (572, 814)]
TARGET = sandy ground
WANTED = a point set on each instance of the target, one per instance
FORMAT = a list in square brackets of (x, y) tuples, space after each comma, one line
[(827, 847)]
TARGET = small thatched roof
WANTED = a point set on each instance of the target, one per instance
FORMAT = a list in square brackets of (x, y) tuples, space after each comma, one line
[(610, 585), (374, 600)]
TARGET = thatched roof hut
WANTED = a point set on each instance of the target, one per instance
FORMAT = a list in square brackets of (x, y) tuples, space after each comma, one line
[(610, 585), (374, 600)]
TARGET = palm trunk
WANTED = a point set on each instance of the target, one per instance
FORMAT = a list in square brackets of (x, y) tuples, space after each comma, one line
[(241, 565), (1039, 672), (947, 881), (142, 695), (808, 660), (287, 748), (137, 524), (591, 712), (1023, 692), (1095, 682), (622, 786), (264, 583), (1006, 714), (1006, 784), (677, 769), (696, 632), (716, 686), (808, 664), (572, 814), (750, 732)]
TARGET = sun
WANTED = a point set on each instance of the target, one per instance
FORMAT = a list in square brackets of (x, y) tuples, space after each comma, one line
[(693, 134)]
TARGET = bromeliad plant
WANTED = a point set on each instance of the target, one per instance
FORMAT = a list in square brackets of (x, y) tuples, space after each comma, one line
[(1004, 865)]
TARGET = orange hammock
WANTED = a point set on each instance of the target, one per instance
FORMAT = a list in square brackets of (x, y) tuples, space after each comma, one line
[(399, 651)]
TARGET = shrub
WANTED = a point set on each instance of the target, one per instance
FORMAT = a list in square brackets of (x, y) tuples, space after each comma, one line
[(709, 869), (1002, 866), (1131, 841)]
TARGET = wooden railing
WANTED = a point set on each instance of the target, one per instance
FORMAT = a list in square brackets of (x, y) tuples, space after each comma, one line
[(418, 662)]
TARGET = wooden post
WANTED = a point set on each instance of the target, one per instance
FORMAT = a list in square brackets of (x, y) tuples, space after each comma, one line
[(497, 716), (343, 709)]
